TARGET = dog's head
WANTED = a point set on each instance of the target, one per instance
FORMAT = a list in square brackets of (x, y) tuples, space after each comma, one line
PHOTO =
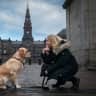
[(23, 52)]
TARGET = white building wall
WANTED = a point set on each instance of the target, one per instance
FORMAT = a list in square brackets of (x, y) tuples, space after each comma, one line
[(92, 31), (81, 30), (76, 31)]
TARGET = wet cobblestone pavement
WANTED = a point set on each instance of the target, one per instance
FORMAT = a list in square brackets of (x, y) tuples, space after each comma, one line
[(30, 76), (41, 92), (31, 82)]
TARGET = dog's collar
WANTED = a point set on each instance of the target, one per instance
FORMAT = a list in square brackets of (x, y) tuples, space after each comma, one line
[(18, 60)]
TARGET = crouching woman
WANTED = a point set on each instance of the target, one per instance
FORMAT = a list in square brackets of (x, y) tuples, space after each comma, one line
[(65, 66)]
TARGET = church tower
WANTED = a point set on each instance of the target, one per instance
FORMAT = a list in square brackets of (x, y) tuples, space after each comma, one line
[(27, 36)]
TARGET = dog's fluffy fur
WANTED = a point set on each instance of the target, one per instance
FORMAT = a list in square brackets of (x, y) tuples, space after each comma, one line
[(9, 69)]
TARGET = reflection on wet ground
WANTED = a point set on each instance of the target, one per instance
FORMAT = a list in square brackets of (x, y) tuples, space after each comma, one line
[(41, 92), (30, 77)]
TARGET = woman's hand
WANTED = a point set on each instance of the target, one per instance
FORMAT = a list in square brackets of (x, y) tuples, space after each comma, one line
[(45, 50)]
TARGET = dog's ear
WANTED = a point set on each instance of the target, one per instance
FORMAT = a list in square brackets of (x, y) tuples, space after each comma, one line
[(21, 52)]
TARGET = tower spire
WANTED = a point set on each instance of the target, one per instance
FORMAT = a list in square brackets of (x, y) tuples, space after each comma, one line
[(27, 26), (27, 12), (27, 4)]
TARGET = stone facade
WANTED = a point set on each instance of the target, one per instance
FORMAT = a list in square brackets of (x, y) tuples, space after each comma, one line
[(81, 29)]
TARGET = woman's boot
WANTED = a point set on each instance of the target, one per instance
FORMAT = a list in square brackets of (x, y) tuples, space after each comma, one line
[(75, 82), (60, 81)]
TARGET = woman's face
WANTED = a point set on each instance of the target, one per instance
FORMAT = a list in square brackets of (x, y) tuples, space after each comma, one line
[(48, 43)]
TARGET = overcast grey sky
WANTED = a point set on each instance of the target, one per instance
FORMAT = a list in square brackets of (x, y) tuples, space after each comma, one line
[(47, 16)]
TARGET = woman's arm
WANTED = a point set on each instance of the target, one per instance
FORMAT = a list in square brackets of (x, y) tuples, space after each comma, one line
[(61, 61), (48, 58)]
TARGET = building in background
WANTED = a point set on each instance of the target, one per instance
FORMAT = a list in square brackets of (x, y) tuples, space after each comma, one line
[(8, 47), (81, 30)]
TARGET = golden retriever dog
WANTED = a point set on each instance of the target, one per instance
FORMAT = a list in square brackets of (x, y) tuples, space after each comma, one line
[(10, 69)]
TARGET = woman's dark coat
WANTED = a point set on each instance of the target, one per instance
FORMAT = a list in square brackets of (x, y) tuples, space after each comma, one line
[(65, 65), (49, 60)]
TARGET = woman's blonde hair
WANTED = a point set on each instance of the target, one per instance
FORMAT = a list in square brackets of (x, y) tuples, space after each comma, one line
[(55, 42)]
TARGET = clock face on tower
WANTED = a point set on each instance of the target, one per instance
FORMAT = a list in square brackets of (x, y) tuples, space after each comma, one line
[(27, 32)]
